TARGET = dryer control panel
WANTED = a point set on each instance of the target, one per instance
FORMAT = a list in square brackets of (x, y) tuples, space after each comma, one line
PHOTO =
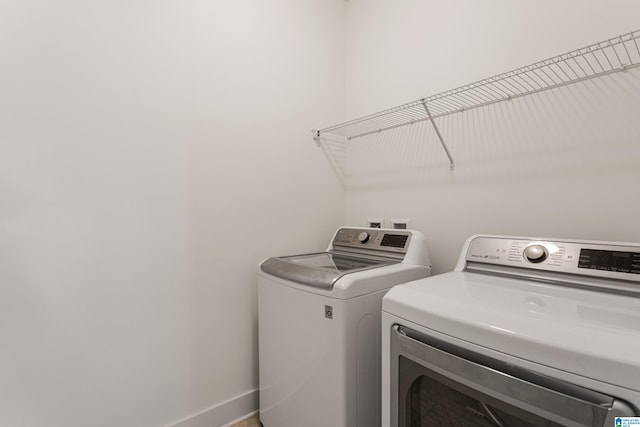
[(585, 258)]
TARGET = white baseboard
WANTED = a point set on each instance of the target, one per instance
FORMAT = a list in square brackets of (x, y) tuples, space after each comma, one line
[(225, 414)]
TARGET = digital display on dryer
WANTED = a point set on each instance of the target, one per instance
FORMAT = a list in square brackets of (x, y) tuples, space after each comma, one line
[(394, 240), (622, 262)]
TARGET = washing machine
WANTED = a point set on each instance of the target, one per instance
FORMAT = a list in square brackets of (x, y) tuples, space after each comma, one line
[(319, 326), (524, 332)]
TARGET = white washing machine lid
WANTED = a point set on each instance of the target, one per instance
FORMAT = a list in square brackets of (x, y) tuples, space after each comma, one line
[(320, 269), (353, 250), (585, 332)]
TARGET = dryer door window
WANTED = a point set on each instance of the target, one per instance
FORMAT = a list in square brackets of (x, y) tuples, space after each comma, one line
[(429, 402), (437, 384)]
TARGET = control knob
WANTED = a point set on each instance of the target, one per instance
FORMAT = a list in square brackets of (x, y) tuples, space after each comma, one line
[(363, 237), (535, 253)]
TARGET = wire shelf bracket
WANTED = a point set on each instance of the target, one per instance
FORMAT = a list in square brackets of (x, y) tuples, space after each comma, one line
[(610, 56), (433, 123)]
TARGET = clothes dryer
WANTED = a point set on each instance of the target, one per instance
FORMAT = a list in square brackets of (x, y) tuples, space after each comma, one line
[(524, 332)]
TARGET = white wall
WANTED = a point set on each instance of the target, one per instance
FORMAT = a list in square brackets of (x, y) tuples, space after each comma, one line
[(151, 154), (562, 163)]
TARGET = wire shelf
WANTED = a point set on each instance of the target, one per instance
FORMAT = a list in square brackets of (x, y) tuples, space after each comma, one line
[(599, 59)]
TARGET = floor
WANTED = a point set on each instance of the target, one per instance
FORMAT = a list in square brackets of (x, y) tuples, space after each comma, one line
[(250, 422)]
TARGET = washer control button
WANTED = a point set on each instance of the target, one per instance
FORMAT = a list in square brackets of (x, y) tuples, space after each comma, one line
[(535, 253), (363, 237)]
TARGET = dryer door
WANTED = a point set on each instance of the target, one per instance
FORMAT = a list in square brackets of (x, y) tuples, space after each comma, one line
[(437, 384)]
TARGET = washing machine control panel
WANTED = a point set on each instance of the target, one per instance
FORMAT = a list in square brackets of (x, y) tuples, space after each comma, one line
[(587, 258), (373, 239)]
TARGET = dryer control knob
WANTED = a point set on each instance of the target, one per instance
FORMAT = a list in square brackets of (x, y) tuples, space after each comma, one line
[(535, 253), (363, 237)]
